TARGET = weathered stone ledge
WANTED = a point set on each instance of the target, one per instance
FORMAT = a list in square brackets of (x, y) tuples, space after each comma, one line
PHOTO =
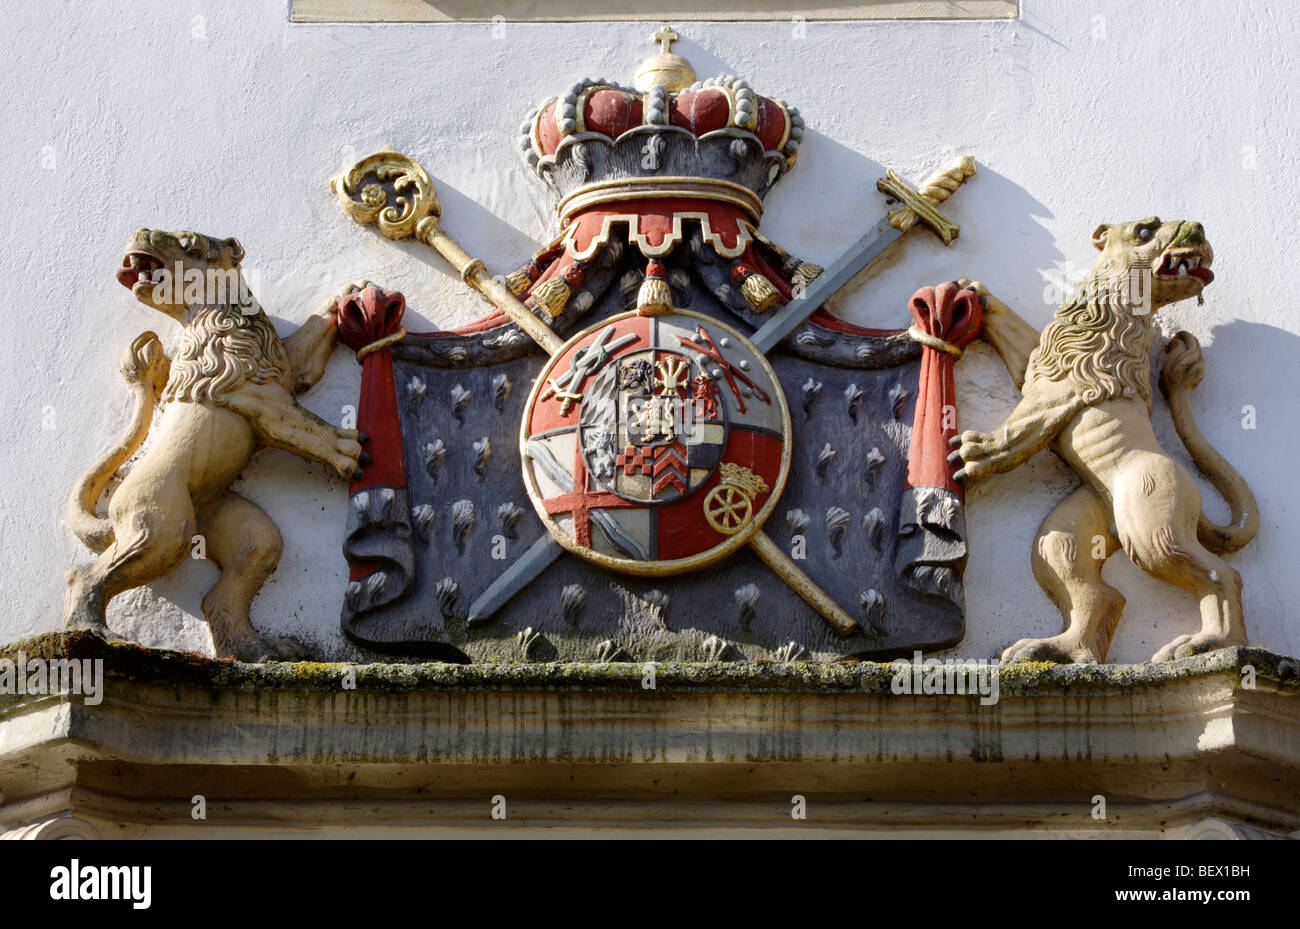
[(126, 661), (420, 749)]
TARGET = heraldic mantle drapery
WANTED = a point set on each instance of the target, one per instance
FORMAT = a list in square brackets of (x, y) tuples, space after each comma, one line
[(660, 194)]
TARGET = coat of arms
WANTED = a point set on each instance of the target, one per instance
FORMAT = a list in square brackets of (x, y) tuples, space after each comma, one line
[(660, 445), (636, 459)]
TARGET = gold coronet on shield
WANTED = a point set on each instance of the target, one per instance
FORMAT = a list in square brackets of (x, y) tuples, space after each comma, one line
[(655, 444)]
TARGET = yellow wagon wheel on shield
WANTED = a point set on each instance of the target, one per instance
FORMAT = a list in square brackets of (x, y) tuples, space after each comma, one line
[(730, 506), (728, 509)]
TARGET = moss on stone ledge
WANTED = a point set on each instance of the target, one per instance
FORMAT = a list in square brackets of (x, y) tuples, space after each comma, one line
[(186, 669)]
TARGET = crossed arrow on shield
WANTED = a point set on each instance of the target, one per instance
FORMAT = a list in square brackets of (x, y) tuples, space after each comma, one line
[(417, 215)]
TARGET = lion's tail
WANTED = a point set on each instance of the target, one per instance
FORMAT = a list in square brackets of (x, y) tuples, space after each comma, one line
[(1183, 369), (145, 368)]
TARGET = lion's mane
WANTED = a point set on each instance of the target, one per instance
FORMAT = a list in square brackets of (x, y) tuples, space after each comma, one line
[(221, 349), (1099, 344)]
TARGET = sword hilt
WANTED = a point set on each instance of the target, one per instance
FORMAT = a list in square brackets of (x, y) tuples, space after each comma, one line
[(923, 204)]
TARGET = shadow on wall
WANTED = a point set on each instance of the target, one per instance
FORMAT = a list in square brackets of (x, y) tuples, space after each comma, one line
[(1003, 242), (1010, 250), (479, 231), (1243, 415), (1248, 415)]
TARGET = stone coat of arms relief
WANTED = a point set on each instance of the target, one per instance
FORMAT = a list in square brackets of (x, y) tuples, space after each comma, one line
[(660, 444)]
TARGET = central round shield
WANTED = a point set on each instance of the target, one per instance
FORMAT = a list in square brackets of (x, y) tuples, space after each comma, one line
[(655, 444)]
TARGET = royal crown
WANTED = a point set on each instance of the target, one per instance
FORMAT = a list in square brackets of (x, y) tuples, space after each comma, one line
[(666, 138)]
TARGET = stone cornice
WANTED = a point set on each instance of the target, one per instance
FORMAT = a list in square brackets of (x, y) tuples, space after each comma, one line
[(1167, 745)]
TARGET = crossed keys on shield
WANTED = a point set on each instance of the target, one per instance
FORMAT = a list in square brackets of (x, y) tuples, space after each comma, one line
[(414, 212)]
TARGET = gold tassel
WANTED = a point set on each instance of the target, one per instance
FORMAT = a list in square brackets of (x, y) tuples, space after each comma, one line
[(517, 282), (804, 274), (551, 295), (654, 298), (759, 292)]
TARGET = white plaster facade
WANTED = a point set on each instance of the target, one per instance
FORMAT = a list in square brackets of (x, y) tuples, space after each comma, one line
[(227, 118)]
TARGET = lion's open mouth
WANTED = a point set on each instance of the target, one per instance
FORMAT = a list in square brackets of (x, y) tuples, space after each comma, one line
[(1186, 262), (138, 268)]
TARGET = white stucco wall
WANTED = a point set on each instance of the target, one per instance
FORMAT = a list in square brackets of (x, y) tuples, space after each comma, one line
[(223, 117)]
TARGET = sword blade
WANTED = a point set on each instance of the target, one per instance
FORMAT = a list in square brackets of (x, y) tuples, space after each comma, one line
[(526, 569), (785, 320)]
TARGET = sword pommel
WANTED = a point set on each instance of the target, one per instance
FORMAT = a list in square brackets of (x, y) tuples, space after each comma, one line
[(923, 205), (942, 184)]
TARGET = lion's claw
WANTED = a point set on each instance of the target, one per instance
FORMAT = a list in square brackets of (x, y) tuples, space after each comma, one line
[(1184, 363), (258, 649), (1185, 646), (978, 454), (1059, 649), (966, 283), (347, 454)]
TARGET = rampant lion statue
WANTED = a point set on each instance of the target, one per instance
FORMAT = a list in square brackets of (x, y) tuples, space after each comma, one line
[(228, 392), (1086, 392)]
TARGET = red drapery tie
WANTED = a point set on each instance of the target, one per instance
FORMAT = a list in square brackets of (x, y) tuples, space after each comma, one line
[(943, 316), (365, 319)]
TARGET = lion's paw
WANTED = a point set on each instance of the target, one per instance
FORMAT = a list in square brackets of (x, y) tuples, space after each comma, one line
[(1060, 649), (346, 291), (78, 621), (145, 362), (258, 649), (347, 457), (1186, 646), (976, 455), (1184, 363)]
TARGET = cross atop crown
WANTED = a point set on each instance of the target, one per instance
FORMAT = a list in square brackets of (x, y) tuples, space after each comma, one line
[(667, 69), (665, 37)]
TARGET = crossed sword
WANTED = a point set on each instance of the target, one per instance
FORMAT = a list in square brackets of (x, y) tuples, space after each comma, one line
[(412, 211)]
